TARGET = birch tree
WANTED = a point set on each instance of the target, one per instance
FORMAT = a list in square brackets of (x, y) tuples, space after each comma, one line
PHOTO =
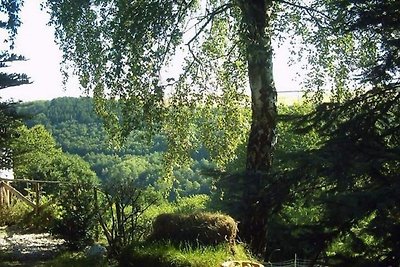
[(123, 53)]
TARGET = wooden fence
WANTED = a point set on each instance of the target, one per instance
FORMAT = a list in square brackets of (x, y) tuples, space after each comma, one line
[(8, 192)]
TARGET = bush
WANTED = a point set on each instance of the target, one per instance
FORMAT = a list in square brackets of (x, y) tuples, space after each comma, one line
[(40, 220), (200, 228), (121, 212), (26, 218), (13, 214), (76, 223), (186, 205)]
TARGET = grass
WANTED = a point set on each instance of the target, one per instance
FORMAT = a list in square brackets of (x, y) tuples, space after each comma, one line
[(147, 255), (67, 259), (76, 259), (168, 255)]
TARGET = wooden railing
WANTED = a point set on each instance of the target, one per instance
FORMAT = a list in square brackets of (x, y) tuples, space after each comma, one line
[(7, 192)]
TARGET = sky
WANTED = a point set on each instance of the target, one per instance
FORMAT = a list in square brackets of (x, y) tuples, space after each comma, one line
[(35, 41)]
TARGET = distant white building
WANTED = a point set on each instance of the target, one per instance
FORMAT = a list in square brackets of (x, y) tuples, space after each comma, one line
[(7, 173)]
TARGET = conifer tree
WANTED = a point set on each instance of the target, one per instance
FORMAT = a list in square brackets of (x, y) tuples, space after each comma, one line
[(9, 22), (353, 175)]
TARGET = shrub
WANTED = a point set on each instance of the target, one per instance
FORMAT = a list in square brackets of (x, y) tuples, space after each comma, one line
[(13, 214), (194, 203), (76, 223), (200, 228), (186, 205), (120, 214), (26, 218), (41, 219)]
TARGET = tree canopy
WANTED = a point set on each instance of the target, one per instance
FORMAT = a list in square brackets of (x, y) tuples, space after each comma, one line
[(131, 45)]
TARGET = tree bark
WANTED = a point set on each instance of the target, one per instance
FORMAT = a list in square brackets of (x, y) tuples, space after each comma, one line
[(256, 18), (257, 39)]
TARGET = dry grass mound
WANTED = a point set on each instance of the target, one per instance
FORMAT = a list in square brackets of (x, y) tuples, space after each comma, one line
[(201, 228)]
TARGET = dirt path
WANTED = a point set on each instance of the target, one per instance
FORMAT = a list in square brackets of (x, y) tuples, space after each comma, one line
[(19, 249)]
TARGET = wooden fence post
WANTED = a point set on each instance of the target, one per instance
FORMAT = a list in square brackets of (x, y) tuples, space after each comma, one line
[(37, 197), (5, 194), (1, 194)]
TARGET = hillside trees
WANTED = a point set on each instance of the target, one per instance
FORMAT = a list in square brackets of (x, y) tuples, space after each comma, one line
[(78, 133), (33, 150)]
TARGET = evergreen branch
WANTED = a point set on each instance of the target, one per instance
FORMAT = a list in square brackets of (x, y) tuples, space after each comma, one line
[(14, 79)]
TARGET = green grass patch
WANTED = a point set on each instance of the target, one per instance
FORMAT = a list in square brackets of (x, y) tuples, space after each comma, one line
[(76, 259), (167, 255)]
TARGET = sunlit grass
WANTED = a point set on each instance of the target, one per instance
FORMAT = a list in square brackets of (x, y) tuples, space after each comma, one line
[(165, 254)]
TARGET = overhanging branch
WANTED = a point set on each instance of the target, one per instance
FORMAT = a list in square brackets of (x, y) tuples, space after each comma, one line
[(209, 18), (308, 9)]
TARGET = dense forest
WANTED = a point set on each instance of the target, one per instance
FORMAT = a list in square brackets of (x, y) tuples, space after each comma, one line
[(77, 130)]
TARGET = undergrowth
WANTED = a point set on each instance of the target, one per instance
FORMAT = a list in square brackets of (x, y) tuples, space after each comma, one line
[(77, 259)]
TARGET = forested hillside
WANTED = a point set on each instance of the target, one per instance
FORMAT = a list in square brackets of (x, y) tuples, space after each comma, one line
[(77, 130), (76, 127)]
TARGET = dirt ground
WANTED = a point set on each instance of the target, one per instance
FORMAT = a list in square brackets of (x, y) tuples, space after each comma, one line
[(26, 249)]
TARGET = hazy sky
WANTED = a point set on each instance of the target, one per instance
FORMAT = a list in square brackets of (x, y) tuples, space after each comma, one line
[(35, 40)]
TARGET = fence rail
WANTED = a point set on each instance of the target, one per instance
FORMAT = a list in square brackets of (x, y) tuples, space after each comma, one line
[(30, 181), (295, 263), (7, 191)]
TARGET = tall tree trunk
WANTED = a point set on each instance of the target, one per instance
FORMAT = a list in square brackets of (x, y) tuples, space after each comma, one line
[(257, 38)]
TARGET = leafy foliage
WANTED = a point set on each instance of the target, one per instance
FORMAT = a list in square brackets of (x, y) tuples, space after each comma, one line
[(76, 221), (348, 185), (33, 150), (137, 41), (122, 207), (76, 128), (13, 215)]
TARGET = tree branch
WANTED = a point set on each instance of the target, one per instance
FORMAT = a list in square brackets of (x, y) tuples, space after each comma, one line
[(209, 17), (306, 8)]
